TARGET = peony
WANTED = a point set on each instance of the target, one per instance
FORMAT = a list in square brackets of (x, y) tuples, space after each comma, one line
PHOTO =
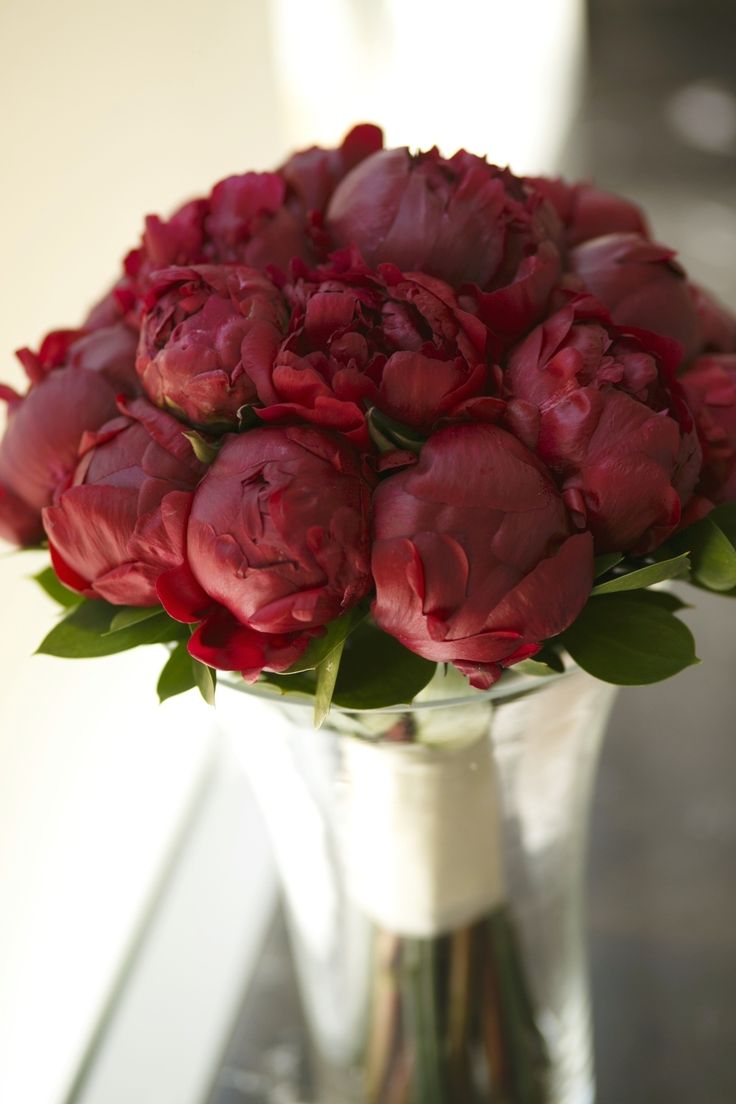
[(399, 342), (122, 520), (108, 349), (278, 545), (601, 408), (710, 390), (462, 220), (587, 212), (716, 324), (39, 450), (203, 329), (641, 285), (475, 561)]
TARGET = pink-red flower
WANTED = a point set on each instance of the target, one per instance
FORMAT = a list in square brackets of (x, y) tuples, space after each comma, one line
[(587, 212), (460, 219), (710, 390), (121, 522), (475, 561), (602, 409), (359, 338), (641, 285), (108, 349), (207, 329), (39, 450), (278, 545)]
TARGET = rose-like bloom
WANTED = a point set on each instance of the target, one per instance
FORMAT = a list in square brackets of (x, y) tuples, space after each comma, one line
[(108, 349), (462, 220), (641, 285), (254, 219), (710, 389), (716, 324), (587, 212), (474, 558), (203, 327), (602, 409), (278, 545), (399, 342), (39, 450), (121, 522)]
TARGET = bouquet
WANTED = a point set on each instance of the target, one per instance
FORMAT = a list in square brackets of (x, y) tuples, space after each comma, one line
[(378, 414)]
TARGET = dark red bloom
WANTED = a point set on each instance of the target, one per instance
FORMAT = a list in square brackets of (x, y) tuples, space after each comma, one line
[(710, 389), (109, 350), (399, 342), (205, 328), (473, 560), (253, 219), (462, 220), (641, 285), (122, 521), (39, 450), (601, 407), (279, 538), (716, 324), (587, 212)]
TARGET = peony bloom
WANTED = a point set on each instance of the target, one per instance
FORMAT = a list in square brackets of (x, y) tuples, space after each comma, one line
[(462, 220), (204, 327), (39, 450), (640, 284), (255, 219), (399, 342), (473, 560), (716, 324), (710, 390), (600, 406), (278, 545), (122, 520), (587, 212), (108, 349)]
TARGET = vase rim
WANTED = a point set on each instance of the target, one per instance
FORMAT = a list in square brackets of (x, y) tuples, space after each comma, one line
[(510, 685)]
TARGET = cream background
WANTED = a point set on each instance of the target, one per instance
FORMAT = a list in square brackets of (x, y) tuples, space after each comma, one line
[(110, 111)]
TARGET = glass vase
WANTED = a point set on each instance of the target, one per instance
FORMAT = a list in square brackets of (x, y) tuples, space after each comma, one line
[(431, 860)]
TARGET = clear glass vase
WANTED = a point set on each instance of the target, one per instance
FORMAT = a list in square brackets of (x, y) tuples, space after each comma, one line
[(431, 860)]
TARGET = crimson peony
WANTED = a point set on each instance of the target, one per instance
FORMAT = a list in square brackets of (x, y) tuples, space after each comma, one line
[(39, 450), (710, 390), (121, 522), (601, 408), (474, 558), (204, 328), (587, 212), (278, 544), (641, 285)]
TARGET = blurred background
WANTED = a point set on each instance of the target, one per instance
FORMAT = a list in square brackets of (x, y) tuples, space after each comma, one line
[(135, 883)]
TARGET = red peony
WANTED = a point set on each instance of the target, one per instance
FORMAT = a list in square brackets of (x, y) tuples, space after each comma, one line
[(710, 390), (474, 561), (601, 408), (462, 220), (121, 522), (39, 450), (205, 327), (716, 324), (400, 342), (278, 545), (587, 212), (641, 285), (108, 349)]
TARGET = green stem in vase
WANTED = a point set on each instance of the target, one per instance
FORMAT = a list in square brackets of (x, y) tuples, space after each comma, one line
[(423, 1020)]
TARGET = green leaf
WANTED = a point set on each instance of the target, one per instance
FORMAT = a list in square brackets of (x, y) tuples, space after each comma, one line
[(712, 555), (203, 449), (604, 563), (205, 679), (83, 633), (388, 434), (662, 598), (49, 581), (629, 641), (377, 671), (534, 667), (326, 678), (305, 682), (177, 675), (132, 615), (335, 633), (645, 576), (725, 518)]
